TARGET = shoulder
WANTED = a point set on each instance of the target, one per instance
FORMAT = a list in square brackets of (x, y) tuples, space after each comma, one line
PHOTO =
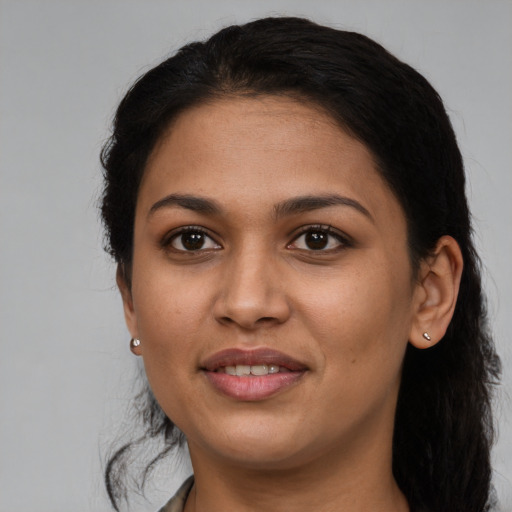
[(177, 502)]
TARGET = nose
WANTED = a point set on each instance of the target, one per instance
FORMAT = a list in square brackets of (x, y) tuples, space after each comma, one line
[(252, 294)]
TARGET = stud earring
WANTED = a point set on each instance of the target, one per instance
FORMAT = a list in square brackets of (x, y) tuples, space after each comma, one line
[(426, 335), (134, 343)]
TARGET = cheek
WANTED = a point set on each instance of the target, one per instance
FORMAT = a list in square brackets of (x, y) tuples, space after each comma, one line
[(362, 317), (171, 311)]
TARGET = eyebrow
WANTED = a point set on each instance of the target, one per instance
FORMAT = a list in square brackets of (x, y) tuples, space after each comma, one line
[(188, 202), (304, 204), (293, 206)]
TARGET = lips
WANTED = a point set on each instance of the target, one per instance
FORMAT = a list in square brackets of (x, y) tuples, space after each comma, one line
[(252, 375)]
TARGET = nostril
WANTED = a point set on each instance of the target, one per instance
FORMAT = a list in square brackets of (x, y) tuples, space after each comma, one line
[(249, 324), (266, 319)]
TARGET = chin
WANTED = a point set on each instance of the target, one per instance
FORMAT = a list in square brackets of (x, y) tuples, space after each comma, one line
[(256, 445)]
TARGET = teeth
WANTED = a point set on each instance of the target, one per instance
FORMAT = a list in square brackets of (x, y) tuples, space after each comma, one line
[(259, 369), (230, 370), (243, 370)]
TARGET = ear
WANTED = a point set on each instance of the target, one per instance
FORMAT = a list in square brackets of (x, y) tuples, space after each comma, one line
[(129, 311), (436, 293)]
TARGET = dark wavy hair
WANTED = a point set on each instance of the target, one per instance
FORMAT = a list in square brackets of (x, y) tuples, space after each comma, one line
[(443, 429)]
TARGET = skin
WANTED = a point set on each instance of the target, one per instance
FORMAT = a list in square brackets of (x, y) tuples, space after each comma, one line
[(345, 312)]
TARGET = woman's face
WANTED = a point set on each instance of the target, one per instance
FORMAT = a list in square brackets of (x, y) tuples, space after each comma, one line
[(267, 243)]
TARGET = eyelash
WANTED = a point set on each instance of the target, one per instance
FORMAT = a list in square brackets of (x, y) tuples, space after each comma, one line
[(328, 230), (174, 235)]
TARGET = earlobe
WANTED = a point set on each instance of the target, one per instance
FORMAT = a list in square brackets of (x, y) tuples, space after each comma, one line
[(126, 295), (436, 293)]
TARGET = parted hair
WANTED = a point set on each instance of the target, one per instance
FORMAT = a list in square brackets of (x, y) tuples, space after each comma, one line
[(443, 427)]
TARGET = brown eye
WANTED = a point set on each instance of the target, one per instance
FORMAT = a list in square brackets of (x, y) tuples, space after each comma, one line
[(192, 240), (316, 240), (321, 239)]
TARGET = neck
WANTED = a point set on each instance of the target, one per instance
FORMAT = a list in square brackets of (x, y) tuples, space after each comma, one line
[(347, 481)]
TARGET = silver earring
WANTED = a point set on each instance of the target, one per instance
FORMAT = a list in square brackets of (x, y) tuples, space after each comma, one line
[(134, 343), (426, 335)]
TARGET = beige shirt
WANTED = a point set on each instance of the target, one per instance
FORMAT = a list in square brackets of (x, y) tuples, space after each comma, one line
[(177, 502)]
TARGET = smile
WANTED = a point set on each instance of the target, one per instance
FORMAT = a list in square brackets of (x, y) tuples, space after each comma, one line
[(245, 370), (252, 375)]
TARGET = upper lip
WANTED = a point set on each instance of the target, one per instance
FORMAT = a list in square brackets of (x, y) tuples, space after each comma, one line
[(236, 356)]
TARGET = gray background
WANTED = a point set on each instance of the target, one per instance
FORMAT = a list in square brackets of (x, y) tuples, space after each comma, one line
[(66, 375)]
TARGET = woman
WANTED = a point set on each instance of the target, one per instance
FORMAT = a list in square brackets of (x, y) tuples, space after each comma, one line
[(286, 206)]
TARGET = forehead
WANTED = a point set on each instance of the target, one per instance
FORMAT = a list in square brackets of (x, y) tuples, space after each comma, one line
[(250, 151), (269, 123)]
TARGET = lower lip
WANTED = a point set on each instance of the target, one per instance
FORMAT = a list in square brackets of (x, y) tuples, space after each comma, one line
[(252, 389)]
